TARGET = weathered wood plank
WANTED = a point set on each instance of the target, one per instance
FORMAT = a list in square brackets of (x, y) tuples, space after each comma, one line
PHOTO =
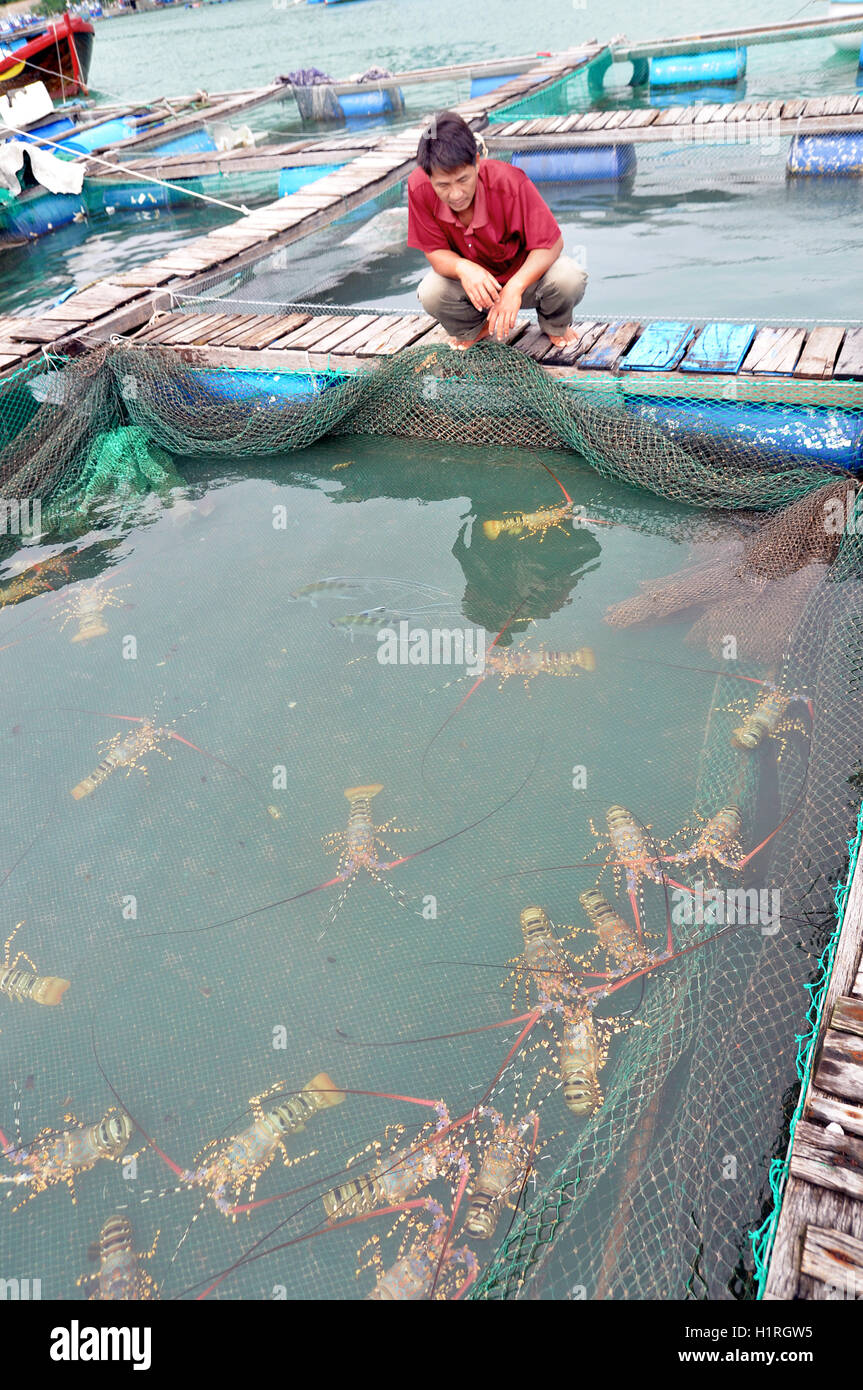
[(719, 347), (820, 353), (659, 348), (828, 1160), (608, 350), (839, 1070), (826, 1110), (848, 1015), (318, 326), (850, 361), (347, 333), (834, 1258), (571, 355), (775, 351)]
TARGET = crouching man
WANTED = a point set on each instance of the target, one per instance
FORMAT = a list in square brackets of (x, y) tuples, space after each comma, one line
[(492, 242)]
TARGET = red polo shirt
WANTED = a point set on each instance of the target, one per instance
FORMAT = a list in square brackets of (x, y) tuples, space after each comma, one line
[(509, 220)]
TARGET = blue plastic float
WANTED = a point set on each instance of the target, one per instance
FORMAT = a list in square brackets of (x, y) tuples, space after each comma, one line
[(826, 155), (261, 388), (725, 65), (604, 162), (821, 435), (374, 102), (38, 216), (480, 85), (291, 180), (195, 142)]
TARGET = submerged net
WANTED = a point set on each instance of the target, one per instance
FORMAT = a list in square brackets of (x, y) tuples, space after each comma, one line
[(657, 1190)]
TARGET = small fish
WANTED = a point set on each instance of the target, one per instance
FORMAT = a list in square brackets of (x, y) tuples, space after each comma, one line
[(374, 618), (357, 584)]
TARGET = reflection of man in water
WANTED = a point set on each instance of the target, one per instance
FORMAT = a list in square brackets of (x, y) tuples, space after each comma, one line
[(512, 575)]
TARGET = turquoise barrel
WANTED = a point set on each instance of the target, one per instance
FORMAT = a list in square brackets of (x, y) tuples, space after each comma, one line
[(725, 65), (589, 162)]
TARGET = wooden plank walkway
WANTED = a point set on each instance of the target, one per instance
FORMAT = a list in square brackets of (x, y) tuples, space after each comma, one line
[(818, 1250), (124, 302), (745, 37), (736, 122), (768, 363)]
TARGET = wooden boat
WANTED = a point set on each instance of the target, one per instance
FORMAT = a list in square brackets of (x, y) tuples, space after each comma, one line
[(57, 53)]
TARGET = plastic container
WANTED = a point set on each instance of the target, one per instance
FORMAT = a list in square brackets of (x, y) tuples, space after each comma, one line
[(589, 162)]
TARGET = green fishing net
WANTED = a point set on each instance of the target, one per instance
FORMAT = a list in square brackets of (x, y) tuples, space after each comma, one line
[(657, 1191)]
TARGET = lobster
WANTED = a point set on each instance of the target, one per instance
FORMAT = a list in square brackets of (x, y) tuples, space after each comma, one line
[(56, 1156), (21, 985), (33, 581), (544, 964), (717, 841), (584, 1049), (359, 846), (87, 604), (125, 750), (120, 1277), (502, 1172), (228, 1165), (531, 523), (768, 718), (427, 1268), (399, 1175), (506, 662), (614, 937)]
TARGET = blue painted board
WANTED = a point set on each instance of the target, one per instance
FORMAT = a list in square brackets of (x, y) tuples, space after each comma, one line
[(660, 347), (720, 347)]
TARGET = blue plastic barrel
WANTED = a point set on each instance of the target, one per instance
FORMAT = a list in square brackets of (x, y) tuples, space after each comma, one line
[(480, 85), (374, 102), (106, 133), (823, 436), (291, 180), (826, 154), (130, 197), (593, 162), (261, 388), (193, 143), (41, 214), (726, 65)]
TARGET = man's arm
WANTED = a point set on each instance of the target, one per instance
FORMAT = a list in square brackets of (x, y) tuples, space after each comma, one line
[(478, 283), (503, 314)]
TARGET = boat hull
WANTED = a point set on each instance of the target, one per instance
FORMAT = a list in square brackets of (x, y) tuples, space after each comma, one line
[(58, 55)]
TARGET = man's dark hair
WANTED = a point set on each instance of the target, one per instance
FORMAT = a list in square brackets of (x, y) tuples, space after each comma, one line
[(447, 143)]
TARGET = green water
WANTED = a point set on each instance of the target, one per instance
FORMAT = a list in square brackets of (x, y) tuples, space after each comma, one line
[(182, 1011)]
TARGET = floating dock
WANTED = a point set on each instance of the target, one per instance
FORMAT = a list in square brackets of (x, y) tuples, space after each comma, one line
[(736, 120), (818, 1247)]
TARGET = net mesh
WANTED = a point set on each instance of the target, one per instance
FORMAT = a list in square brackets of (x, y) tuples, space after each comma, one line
[(657, 1189)]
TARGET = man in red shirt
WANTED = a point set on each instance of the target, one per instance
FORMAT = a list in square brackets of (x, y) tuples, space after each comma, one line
[(492, 242)]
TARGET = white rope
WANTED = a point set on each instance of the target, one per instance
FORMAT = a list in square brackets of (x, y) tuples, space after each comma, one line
[(127, 169)]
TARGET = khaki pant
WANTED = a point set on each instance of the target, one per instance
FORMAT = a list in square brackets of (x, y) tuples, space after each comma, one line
[(553, 296)]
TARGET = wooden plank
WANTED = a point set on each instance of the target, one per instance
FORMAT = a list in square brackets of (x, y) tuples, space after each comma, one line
[(857, 987), (235, 324), (851, 357), (834, 1258), (608, 350), (346, 334), (792, 109), (820, 353), (395, 335), (826, 1110), (534, 342), (839, 1070), (670, 115), (308, 334), (706, 113), (834, 1161), (434, 337), (775, 351), (32, 330), (848, 1015), (644, 117), (719, 347), (569, 356), (660, 347)]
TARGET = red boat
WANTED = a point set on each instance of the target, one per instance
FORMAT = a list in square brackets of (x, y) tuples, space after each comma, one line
[(57, 53)]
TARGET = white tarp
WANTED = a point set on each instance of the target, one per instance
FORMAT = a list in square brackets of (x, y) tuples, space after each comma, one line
[(57, 175)]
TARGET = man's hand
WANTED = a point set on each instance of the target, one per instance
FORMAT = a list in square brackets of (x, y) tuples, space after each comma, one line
[(478, 284), (503, 314)]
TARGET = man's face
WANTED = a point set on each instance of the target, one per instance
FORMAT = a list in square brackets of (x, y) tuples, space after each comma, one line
[(456, 187)]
